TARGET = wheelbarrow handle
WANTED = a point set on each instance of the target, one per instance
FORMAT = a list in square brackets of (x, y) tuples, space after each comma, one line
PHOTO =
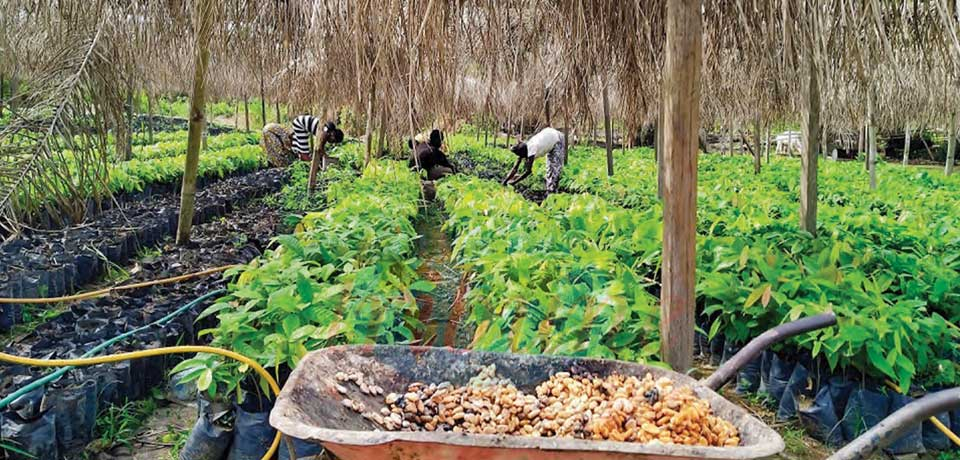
[(756, 346), (896, 424)]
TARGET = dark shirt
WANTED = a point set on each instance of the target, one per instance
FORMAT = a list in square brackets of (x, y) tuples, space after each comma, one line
[(429, 157)]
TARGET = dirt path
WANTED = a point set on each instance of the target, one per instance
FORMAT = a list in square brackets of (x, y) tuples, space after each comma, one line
[(437, 308)]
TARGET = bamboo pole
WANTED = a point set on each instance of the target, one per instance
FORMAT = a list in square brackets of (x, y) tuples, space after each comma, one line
[(809, 157), (607, 126), (861, 148), (871, 144), (246, 113), (951, 144), (906, 145), (263, 98), (383, 129), (681, 101), (149, 117), (204, 16), (368, 134), (756, 145), (766, 147)]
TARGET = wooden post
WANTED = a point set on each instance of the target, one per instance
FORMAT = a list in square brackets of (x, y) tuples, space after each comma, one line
[(608, 127), (276, 104), (368, 135), (681, 100), (2, 79), (263, 99), (861, 148), (756, 145), (808, 160), (906, 145), (951, 144), (546, 107), (318, 158), (766, 147), (149, 117), (871, 144), (236, 116), (246, 113), (658, 148), (567, 131), (383, 129), (204, 17), (729, 150)]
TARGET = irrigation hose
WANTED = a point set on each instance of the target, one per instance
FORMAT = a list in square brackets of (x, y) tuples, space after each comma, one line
[(53, 376), (107, 291), (940, 426), (186, 349)]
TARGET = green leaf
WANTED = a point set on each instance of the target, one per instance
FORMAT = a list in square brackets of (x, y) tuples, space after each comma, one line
[(878, 361), (422, 286), (290, 324), (205, 379), (304, 288), (755, 295), (291, 243)]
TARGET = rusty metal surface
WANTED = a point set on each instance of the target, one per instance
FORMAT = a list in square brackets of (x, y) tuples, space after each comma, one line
[(310, 408)]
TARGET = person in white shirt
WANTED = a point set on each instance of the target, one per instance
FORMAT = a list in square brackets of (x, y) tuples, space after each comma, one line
[(549, 143)]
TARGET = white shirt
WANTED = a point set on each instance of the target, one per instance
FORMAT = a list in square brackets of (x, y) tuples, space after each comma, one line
[(543, 142)]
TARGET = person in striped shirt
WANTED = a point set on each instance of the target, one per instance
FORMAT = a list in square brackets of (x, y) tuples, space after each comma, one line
[(283, 145)]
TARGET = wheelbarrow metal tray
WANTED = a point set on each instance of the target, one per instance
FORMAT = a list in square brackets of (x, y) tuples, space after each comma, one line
[(310, 408)]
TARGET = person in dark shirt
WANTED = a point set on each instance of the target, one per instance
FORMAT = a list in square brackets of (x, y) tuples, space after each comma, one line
[(430, 157)]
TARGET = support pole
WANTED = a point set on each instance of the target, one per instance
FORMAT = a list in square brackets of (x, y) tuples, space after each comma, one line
[(906, 145), (871, 144), (951, 144), (756, 146), (246, 114), (368, 134), (204, 17), (809, 157), (681, 97), (607, 127)]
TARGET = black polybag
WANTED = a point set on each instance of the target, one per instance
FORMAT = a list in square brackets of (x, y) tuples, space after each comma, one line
[(865, 408), (787, 409), (211, 435), (912, 440), (252, 435), (780, 372), (748, 377), (302, 448), (37, 437), (821, 419)]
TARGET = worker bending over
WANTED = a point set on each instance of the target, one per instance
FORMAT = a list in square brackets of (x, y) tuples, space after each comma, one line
[(549, 143), (283, 146), (429, 156)]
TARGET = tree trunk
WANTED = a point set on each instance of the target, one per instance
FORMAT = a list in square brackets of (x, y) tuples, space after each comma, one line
[(906, 145), (871, 144), (808, 161), (546, 108), (263, 99), (681, 114), (246, 113), (319, 154), (2, 80), (150, 117), (756, 146), (204, 17), (608, 128), (766, 146), (368, 135), (729, 149), (951, 144), (276, 105), (658, 148), (861, 150), (383, 129), (486, 132), (567, 130), (236, 116), (14, 89)]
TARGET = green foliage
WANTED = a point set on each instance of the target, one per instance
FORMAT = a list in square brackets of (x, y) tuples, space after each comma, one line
[(134, 175), (118, 425), (345, 277), (176, 147), (887, 261), (565, 278)]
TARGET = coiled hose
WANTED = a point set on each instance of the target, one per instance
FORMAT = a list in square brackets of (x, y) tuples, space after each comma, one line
[(186, 349)]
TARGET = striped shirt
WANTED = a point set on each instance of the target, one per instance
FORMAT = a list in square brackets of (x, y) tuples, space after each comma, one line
[(304, 126)]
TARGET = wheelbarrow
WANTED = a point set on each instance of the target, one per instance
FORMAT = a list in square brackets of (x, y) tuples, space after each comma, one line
[(310, 408)]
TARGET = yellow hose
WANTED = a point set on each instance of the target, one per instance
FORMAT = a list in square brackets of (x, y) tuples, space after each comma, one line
[(946, 431), (109, 290), (155, 352)]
